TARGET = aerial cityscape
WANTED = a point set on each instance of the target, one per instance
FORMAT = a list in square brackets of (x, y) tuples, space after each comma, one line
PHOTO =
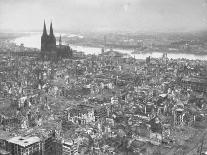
[(103, 77)]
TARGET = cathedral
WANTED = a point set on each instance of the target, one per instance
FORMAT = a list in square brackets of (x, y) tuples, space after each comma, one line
[(49, 49)]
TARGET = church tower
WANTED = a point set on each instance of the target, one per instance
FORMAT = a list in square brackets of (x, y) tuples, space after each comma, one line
[(51, 39), (44, 38), (49, 50)]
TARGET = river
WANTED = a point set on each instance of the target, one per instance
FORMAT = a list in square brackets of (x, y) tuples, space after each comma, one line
[(33, 41)]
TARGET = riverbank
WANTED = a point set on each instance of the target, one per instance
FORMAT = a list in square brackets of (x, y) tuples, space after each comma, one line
[(34, 41)]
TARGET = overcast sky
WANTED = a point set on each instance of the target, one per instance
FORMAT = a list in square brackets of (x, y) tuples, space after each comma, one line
[(104, 15)]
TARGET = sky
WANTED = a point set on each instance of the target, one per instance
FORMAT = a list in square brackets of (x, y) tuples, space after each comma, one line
[(104, 15)]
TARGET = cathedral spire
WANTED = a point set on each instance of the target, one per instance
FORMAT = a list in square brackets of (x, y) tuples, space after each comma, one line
[(51, 30), (44, 29)]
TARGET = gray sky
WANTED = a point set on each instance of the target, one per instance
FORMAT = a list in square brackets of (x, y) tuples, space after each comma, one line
[(104, 15)]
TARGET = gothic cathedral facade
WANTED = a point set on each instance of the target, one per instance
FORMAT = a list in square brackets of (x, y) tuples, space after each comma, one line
[(49, 49)]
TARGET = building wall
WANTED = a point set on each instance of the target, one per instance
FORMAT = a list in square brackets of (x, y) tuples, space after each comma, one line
[(33, 149)]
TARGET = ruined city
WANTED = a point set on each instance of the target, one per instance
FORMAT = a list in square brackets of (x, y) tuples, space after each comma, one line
[(58, 100)]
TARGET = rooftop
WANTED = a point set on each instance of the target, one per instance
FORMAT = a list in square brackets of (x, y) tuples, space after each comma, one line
[(24, 141)]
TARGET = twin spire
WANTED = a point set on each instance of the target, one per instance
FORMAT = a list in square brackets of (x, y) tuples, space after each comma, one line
[(45, 30), (51, 33)]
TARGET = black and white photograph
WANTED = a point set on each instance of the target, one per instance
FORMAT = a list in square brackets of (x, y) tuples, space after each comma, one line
[(103, 77)]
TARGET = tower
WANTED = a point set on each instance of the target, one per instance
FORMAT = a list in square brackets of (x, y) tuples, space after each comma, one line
[(60, 41), (49, 50), (44, 38), (51, 39)]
